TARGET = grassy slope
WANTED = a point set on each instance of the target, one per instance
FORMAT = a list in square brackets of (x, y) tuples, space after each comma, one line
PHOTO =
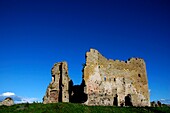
[(77, 108)]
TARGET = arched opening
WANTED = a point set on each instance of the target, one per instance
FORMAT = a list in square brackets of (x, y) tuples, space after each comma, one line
[(115, 101), (128, 100), (52, 78)]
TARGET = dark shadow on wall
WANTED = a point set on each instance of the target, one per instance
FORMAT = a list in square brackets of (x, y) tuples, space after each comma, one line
[(76, 92), (60, 85), (70, 90), (128, 100), (115, 101)]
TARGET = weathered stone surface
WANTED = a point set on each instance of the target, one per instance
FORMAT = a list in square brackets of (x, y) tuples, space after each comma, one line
[(105, 82), (58, 89), (7, 102), (110, 82)]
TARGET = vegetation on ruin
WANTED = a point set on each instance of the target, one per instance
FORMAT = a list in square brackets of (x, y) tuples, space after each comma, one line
[(78, 108)]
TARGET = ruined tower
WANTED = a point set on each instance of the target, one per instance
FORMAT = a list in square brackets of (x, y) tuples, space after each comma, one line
[(105, 82), (118, 83), (57, 90)]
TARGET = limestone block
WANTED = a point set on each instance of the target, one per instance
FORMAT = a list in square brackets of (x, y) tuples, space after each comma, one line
[(7, 102)]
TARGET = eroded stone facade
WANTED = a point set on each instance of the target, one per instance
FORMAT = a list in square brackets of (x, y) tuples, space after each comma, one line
[(105, 82), (58, 89), (110, 82)]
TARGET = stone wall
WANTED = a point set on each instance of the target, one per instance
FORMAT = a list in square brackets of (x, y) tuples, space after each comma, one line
[(110, 82), (105, 82), (58, 89)]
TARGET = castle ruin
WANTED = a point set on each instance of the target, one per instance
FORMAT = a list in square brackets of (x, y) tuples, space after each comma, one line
[(58, 90), (105, 82)]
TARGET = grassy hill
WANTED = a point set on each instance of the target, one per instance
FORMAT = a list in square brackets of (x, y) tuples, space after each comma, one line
[(78, 108)]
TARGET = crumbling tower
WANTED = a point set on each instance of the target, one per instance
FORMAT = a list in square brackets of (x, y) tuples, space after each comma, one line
[(58, 89), (105, 82), (114, 82)]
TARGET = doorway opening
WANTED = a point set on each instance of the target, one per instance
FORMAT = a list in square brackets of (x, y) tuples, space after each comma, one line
[(128, 100), (115, 101)]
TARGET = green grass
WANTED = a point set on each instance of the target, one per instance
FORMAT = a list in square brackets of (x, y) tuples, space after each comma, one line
[(78, 108)]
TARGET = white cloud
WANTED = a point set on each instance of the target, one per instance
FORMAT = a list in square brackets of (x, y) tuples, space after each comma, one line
[(7, 94), (165, 101), (18, 99), (29, 100)]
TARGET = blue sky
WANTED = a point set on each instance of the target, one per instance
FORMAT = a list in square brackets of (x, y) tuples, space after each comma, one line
[(35, 34)]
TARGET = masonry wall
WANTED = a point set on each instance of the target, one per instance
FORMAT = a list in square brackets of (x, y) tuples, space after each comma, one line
[(65, 83), (110, 82), (105, 82), (58, 89)]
